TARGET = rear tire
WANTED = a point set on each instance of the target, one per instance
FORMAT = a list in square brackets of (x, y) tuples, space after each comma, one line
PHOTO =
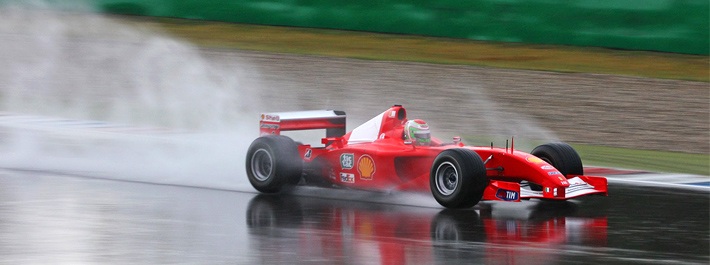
[(561, 156), (458, 178), (273, 163)]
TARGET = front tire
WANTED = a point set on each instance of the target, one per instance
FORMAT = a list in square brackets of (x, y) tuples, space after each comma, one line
[(458, 178), (561, 156), (457, 226), (273, 163)]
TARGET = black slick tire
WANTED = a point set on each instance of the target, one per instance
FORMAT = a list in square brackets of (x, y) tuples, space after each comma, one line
[(458, 178), (561, 156), (273, 163)]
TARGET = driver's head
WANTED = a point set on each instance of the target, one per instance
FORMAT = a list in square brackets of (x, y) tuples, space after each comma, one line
[(418, 132)]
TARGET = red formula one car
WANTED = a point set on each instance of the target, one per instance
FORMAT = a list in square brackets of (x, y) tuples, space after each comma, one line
[(390, 152)]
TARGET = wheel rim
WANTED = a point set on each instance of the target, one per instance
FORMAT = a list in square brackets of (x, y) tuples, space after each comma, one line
[(262, 217), (446, 231), (261, 164), (447, 178)]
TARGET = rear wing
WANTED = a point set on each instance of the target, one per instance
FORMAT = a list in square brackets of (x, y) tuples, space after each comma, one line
[(333, 121)]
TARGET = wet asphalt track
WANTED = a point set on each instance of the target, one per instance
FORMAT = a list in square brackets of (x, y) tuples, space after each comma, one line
[(48, 218)]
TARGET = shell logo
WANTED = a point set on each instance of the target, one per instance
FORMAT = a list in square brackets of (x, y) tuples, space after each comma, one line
[(270, 118), (366, 167)]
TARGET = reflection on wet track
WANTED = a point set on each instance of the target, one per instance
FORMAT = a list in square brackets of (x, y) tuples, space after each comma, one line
[(384, 234), (49, 218)]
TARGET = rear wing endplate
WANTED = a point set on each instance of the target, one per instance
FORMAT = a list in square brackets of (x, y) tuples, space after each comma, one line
[(333, 121)]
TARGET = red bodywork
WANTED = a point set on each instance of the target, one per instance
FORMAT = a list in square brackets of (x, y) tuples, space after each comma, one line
[(335, 232), (375, 156)]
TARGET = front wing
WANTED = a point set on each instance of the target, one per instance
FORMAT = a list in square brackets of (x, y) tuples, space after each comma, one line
[(514, 192)]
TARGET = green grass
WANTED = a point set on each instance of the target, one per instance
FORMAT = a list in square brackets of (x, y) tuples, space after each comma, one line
[(614, 157), (374, 46), (656, 161)]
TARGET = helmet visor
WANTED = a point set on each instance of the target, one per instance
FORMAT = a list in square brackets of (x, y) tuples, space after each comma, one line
[(422, 137)]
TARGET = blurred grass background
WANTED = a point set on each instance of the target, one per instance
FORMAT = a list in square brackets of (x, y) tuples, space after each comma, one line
[(657, 161), (375, 46), (614, 157)]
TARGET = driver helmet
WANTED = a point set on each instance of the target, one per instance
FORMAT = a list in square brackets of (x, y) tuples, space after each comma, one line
[(418, 132)]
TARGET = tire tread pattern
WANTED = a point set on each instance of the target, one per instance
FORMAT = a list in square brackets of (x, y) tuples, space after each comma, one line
[(472, 175), (562, 156)]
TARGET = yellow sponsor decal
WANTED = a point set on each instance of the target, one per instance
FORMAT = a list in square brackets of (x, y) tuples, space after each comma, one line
[(534, 159), (366, 167)]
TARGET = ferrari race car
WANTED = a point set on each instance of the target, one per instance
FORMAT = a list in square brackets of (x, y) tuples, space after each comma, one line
[(381, 154)]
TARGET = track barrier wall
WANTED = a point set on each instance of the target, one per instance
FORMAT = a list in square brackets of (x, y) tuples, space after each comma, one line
[(678, 26)]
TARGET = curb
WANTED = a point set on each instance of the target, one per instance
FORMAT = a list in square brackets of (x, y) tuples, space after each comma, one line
[(679, 180)]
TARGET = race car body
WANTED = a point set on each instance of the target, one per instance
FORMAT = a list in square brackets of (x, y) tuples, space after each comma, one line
[(376, 156)]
